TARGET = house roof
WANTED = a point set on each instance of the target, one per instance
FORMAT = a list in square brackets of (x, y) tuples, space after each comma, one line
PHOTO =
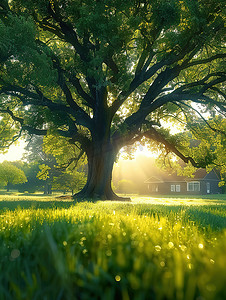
[(200, 174)]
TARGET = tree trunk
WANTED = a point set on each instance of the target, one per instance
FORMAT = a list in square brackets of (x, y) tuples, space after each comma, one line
[(100, 166), (49, 189)]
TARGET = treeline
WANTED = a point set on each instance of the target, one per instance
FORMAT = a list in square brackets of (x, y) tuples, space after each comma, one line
[(29, 177), (41, 171)]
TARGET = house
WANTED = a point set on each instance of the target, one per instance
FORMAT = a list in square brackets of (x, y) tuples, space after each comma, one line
[(202, 183)]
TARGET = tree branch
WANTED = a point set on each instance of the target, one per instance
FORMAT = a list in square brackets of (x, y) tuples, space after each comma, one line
[(186, 65), (40, 100), (75, 82), (200, 115), (15, 118), (154, 135)]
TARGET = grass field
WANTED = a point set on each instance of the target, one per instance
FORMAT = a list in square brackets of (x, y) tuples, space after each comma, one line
[(150, 248)]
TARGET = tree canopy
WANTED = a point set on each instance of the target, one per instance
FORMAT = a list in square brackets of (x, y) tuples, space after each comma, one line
[(10, 174), (105, 74)]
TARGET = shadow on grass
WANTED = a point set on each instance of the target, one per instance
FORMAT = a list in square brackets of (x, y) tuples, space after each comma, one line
[(205, 219)]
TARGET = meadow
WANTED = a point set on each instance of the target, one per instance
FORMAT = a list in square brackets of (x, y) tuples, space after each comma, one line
[(150, 248)]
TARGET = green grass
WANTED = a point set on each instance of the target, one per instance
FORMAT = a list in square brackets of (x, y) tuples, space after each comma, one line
[(151, 248)]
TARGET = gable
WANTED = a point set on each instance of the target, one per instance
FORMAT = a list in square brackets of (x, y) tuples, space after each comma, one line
[(213, 175), (153, 179)]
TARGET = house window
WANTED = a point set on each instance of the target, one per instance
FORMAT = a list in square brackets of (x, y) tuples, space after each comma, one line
[(178, 188), (172, 187), (208, 188), (193, 186), (175, 188)]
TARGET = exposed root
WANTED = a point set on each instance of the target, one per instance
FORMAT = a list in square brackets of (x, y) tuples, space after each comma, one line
[(85, 196)]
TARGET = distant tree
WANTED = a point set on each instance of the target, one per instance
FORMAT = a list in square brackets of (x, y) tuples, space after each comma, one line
[(69, 171), (73, 181), (10, 174), (60, 163), (126, 186), (34, 153), (46, 173), (34, 150), (31, 170)]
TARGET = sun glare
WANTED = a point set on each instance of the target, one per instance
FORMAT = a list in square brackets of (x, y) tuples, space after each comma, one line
[(15, 152)]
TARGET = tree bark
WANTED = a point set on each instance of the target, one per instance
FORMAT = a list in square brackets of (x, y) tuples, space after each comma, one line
[(101, 159)]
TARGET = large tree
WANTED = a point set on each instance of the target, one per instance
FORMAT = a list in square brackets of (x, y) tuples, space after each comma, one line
[(106, 73)]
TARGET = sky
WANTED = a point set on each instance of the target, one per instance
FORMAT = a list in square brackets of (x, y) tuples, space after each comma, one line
[(15, 152)]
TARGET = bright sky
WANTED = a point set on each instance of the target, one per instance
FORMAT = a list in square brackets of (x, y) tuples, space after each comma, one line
[(15, 152)]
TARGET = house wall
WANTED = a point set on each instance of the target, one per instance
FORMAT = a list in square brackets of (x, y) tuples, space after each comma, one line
[(214, 188), (165, 188)]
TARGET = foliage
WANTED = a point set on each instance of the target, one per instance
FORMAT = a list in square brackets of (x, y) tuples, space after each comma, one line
[(33, 183), (110, 250), (206, 142), (73, 181), (66, 173), (10, 174), (211, 150), (106, 74), (44, 172), (34, 150), (54, 154), (7, 132), (68, 156), (126, 186)]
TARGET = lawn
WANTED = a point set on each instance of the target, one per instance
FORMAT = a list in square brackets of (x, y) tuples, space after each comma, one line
[(150, 248)]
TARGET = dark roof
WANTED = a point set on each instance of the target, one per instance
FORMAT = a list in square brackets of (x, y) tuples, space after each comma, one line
[(200, 174)]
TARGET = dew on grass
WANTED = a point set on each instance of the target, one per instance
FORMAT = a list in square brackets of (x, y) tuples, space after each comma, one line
[(117, 278), (212, 261), (170, 245), (162, 264), (183, 247), (158, 248), (200, 246)]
